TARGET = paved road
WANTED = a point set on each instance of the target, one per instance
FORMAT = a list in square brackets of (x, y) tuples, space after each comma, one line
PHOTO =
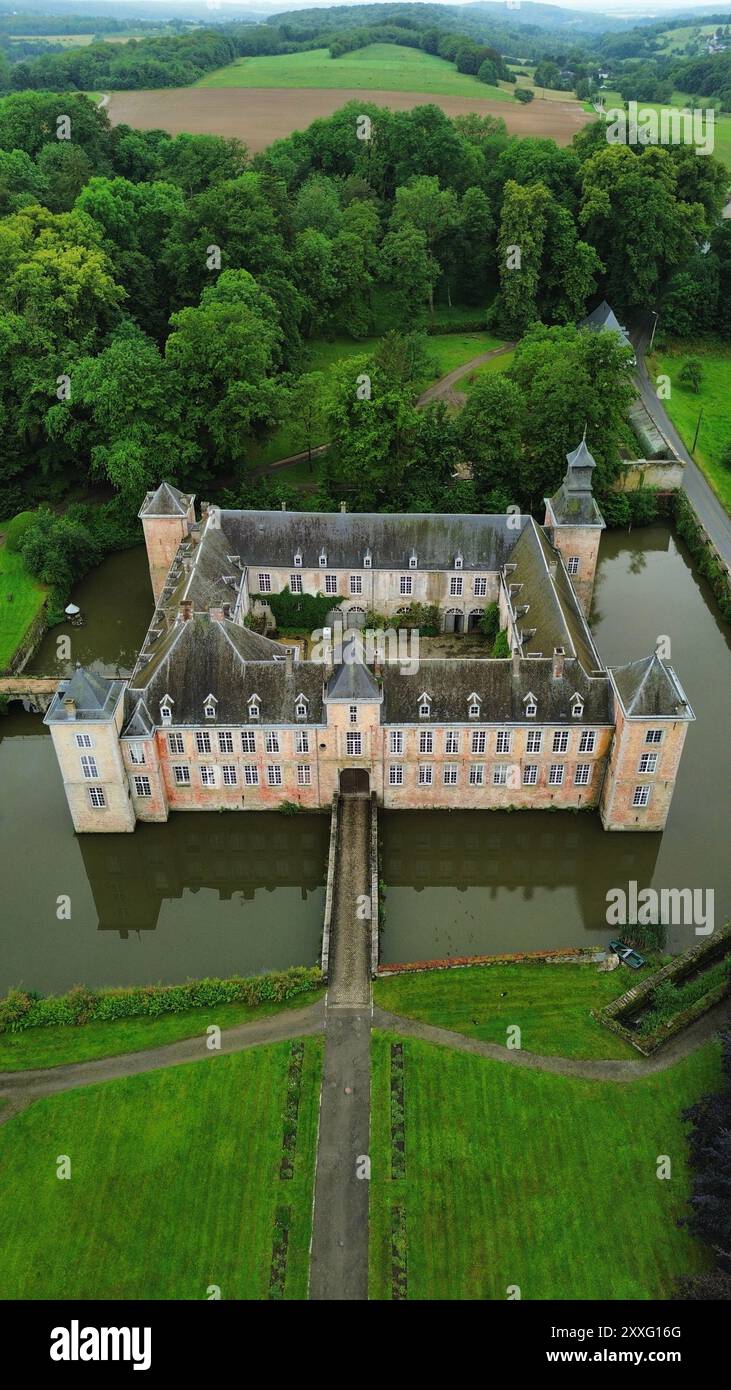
[(710, 511)]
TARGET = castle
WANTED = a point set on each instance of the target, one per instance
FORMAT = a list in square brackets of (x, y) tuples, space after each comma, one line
[(217, 716)]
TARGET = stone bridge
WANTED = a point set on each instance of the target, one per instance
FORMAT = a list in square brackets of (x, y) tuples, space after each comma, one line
[(34, 692)]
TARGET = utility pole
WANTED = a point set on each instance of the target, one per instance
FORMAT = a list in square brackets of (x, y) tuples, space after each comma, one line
[(697, 428), (654, 326)]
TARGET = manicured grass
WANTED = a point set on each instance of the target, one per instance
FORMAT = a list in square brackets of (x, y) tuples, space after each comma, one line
[(21, 599), (54, 1047), (173, 1188), (498, 364), (521, 1177), (449, 350), (384, 67), (550, 1004), (684, 407)]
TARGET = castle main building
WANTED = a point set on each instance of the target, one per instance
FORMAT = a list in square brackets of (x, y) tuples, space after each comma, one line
[(216, 716)]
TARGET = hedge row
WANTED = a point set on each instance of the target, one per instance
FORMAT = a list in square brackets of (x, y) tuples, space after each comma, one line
[(703, 552), (20, 1010)]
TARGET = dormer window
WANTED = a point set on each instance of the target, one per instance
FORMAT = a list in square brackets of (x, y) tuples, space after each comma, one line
[(323, 559), (300, 707), (577, 706), (413, 560), (531, 707), (458, 561), (298, 559), (473, 708), (424, 706), (367, 560), (209, 706), (166, 709), (253, 707)]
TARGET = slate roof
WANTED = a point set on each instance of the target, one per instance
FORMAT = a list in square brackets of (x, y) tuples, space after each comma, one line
[(574, 503), (649, 687), (95, 697), (166, 501), (553, 609), (353, 681), (604, 317), (271, 538), (451, 683), (141, 725)]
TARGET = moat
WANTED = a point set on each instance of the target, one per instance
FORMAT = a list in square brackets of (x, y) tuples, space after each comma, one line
[(238, 893)]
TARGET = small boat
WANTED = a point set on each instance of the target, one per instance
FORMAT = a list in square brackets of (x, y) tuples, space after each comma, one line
[(627, 955)]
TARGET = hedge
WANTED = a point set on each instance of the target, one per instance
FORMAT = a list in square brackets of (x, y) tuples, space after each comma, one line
[(20, 1009)]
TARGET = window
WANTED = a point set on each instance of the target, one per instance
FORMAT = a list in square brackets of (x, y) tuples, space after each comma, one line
[(353, 713), (477, 775), (555, 775), (248, 741), (209, 711), (530, 774), (648, 763), (534, 739), (406, 584), (175, 743), (142, 786), (426, 741), (582, 774), (356, 584), (531, 710), (458, 562), (295, 583), (500, 775), (367, 561), (396, 741), (229, 775), (426, 775), (203, 741), (182, 775), (265, 583), (653, 736), (641, 796), (226, 743), (354, 745), (560, 740), (424, 709), (450, 775), (251, 775), (166, 714), (272, 742), (479, 587), (89, 767), (587, 741), (451, 741), (502, 744), (274, 775), (577, 709), (323, 559), (396, 775), (97, 798), (302, 741), (573, 564), (208, 776), (479, 741), (84, 741), (331, 583), (303, 774), (253, 709), (413, 561), (474, 711), (300, 709), (298, 559), (136, 754), (455, 586)]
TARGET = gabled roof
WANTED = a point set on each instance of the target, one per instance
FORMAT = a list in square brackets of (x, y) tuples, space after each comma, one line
[(353, 681), (501, 691), (554, 618), (95, 697), (141, 725), (604, 317), (166, 501), (649, 687)]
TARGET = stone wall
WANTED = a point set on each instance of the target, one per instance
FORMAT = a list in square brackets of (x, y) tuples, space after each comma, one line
[(664, 474)]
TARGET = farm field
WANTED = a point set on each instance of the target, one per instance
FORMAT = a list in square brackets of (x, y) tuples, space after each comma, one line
[(379, 67), (21, 599), (721, 125), (685, 405), (174, 1183), (511, 1177)]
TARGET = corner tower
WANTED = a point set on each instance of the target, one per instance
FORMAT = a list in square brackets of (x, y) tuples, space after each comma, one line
[(167, 516), (575, 524)]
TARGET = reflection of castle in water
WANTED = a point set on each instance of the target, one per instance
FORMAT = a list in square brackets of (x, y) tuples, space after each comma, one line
[(520, 854), (130, 876)]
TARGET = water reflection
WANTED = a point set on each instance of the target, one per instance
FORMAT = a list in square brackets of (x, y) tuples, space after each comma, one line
[(116, 602)]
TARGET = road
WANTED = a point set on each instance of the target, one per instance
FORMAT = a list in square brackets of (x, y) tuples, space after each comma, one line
[(709, 510)]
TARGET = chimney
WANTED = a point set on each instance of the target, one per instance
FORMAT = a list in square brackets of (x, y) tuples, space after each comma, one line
[(343, 507), (186, 609), (553, 569), (558, 661), (516, 661), (216, 615), (70, 708), (284, 506), (187, 565), (288, 660)]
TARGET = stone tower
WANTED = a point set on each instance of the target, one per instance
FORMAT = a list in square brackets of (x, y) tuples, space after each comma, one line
[(651, 718), (575, 524), (167, 516), (85, 718)]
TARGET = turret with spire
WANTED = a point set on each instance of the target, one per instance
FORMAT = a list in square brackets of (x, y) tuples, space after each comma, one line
[(574, 522)]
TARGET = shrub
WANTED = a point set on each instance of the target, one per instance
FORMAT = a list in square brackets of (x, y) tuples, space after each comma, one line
[(490, 622), (500, 646), (294, 612), (524, 94), (691, 373), (17, 529)]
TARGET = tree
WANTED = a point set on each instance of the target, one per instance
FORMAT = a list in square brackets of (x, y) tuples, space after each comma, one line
[(64, 169), (520, 252), (58, 550), (691, 373), (489, 427), (409, 270), (307, 410), (433, 211), (372, 433)]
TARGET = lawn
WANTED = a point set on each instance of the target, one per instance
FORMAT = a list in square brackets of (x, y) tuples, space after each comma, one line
[(518, 1177), (21, 599), (550, 1004), (174, 1183), (53, 1047), (498, 364), (721, 125), (381, 67), (684, 407)]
